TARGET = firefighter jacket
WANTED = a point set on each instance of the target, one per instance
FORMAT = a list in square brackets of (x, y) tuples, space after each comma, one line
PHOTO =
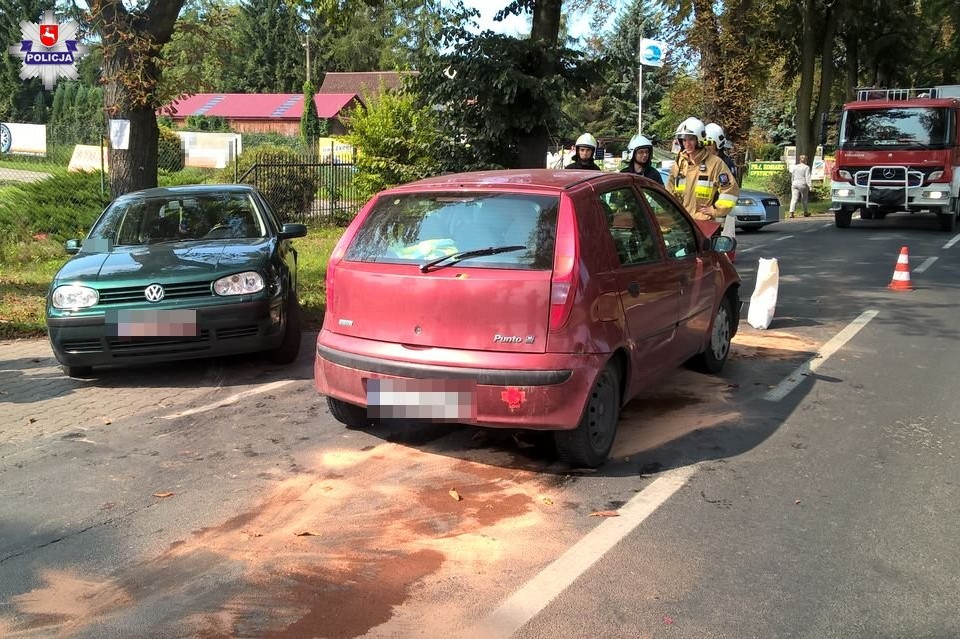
[(703, 180)]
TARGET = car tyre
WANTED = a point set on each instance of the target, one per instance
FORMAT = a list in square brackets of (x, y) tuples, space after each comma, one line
[(350, 415), (842, 218), (78, 371), (589, 444), (712, 359), (289, 348)]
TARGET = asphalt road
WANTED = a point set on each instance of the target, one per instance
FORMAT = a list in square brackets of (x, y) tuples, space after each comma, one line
[(808, 491)]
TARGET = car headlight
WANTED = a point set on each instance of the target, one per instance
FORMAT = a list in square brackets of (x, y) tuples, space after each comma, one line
[(844, 175), (71, 297), (936, 175), (239, 284), (745, 201)]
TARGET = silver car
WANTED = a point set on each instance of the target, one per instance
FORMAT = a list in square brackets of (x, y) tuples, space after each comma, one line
[(754, 209)]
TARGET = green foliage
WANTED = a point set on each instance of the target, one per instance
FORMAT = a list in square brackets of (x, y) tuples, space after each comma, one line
[(779, 184), (769, 152), (77, 115), (496, 93), (609, 108), (398, 142), (170, 155), (207, 123), (165, 121), (63, 207), (268, 33), (289, 190), (189, 175), (257, 140), (684, 98), (17, 95), (310, 126), (39, 111), (210, 27)]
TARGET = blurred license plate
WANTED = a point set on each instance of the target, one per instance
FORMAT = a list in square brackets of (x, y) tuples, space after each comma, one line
[(442, 400), (144, 323)]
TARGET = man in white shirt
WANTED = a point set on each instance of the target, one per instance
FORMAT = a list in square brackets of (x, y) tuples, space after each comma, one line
[(800, 186)]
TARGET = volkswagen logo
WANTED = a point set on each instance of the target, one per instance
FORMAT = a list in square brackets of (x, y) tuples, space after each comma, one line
[(889, 173), (153, 293)]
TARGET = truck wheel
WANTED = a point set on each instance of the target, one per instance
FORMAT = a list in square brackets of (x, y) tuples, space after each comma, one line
[(866, 214), (842, 218)]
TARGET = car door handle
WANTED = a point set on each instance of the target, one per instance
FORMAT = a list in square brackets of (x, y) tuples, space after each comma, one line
[(634, 288)]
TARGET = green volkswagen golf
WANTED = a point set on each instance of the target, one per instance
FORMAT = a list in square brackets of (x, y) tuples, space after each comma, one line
[(177, 273)]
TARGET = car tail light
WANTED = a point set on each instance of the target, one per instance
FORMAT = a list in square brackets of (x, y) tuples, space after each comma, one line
[(340, 250), (563, 287)]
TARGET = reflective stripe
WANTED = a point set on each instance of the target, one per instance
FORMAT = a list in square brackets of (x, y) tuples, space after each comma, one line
[(727, 197), (704, 191), (680, 187)]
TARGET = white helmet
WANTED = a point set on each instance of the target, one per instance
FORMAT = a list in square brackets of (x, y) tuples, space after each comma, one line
[(715, 135), (692, 126), (587, 140), (638, 142)]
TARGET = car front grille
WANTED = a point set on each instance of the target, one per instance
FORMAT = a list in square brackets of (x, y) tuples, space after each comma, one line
[(125, 347), (234, 333), (132, 294)]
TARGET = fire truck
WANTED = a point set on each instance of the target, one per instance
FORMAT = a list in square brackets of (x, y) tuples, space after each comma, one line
[(898, 150)]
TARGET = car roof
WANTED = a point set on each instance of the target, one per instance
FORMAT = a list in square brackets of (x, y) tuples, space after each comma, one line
[(190, 189), (558, 179)]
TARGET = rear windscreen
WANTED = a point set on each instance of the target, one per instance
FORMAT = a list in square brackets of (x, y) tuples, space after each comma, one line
[(415, 228)]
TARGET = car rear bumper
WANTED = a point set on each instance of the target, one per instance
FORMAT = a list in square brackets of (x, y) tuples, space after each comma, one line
[(512, 390), (222, 330)]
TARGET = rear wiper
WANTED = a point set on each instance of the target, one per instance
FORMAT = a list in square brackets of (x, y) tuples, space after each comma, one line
[(453, 258)]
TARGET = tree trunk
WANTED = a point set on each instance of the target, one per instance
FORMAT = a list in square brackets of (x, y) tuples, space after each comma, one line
[(853, 65), (532, 152), (131, 45), (826, 78), (804, 129)]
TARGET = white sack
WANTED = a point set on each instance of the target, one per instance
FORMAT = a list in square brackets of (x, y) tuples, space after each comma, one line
[(763, 302)]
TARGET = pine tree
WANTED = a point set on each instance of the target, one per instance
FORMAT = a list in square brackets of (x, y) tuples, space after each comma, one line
[(39, 112), (310, 128)]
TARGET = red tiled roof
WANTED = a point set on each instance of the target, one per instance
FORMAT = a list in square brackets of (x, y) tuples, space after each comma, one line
[(259, 106), (363, 83)]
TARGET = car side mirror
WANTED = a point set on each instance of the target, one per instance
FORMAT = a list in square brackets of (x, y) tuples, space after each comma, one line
[(72, 247), (723, 244), (292, 230)]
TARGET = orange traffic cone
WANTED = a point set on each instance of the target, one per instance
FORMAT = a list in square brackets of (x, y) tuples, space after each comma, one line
[(901, 275)]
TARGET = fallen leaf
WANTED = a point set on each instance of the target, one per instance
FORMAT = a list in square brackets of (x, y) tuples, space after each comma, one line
[(548, 501), (796, 501), (667, 619), (307, 533), (163, 495), (107, 422), (605, 513), (32, 420), (455, 495)]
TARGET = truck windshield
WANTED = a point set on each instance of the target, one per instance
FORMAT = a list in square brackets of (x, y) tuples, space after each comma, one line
[(897, 127)]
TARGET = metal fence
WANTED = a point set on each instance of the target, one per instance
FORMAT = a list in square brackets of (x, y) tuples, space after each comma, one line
[(307, 187)]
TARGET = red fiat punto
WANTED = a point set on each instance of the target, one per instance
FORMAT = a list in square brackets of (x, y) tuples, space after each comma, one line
[(532, 299)]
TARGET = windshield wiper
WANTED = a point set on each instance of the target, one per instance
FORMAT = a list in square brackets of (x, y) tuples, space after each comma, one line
[(453, 258)]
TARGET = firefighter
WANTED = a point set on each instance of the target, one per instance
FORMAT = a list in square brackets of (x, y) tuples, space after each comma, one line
[(641, 158), (717, 144), (585, 148), (702, 182)]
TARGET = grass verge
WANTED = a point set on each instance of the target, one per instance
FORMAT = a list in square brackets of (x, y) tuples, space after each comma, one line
[(27, 271)]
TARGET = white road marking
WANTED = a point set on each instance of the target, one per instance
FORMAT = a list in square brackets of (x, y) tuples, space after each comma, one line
[(796, 378), (232, 399), (956, 238), (828, 224), (536, 594), (927, 263), (785, 237), (751, 248)]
